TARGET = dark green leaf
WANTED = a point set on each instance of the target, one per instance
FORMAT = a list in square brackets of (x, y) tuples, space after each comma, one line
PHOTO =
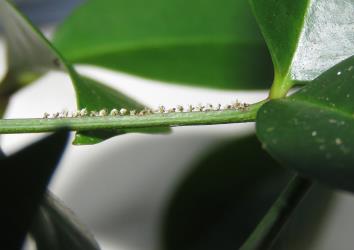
[(222, 200), (268, 229), (312, 131), (206, 43), (305, 227), (30, 55), (56, 228), (305, 37), (24, 179), (1, 154)]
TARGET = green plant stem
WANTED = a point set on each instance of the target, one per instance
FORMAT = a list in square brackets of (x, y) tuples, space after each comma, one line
[(268, 229), (280, 87), (37, 125)]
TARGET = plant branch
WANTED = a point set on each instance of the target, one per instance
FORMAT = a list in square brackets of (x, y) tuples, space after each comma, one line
[(268, 229), (37, 125)]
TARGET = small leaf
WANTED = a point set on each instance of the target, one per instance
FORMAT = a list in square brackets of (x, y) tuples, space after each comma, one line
[(24, 178), (55, 227), (204, 43), (105, 98), (30, 55), (305, 37), (221, 201), (312, 131)]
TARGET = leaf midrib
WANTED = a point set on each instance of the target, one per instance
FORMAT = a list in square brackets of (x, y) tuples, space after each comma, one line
[(78, 55)]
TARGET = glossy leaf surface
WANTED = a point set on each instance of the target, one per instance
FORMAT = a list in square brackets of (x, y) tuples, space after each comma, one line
[(223, 198), (24, 179), (204, 43), (30, 54), (55, 227), (305, 37), (312, 131)]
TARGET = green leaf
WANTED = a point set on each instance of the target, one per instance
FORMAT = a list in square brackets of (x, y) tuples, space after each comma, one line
[(105, 98), (223, 198), (55, 227), (268, 229), (204, 43), (312, 131), (30, 55), (305, 37), (308, 219), (24, 178)]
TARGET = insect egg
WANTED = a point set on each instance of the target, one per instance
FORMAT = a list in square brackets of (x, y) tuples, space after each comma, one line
[(102, 112), (236, 104), (199, 108), (190, 108), (171, 110), (208, 107), (64, 114), (83, 112), (180, 108), (114, 112), (75, 114), (123, 111), (161, 109), (226, 107), (45, 115), (218, 107)]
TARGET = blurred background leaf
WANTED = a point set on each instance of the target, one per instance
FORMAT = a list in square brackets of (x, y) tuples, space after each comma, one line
[(205, 43), (55, 227), (223, 198), (269, 227), (24, 178), (307, 223)]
